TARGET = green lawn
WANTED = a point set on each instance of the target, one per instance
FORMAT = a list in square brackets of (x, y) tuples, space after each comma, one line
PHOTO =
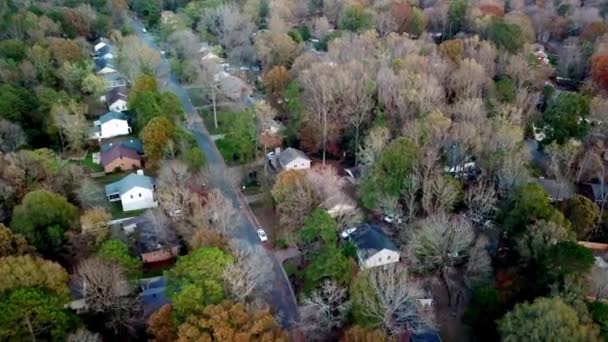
[(117, 213), (210, 124), (111, 178), (88, 162)]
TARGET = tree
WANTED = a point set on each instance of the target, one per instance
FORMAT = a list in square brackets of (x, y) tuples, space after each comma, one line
[(32, 313), (355, 19), (229, 322), (72, 124), (276, 80), (546, 319), (155, 135), (389, 172), (324, 310), (91, 195), (83, 335), (297, 205), (599, 313), (375, 142), (275, 48), (358, 333), (285, 184), (480, 200), (387, 298), (43, 217), (107, 292), (505, 35), (469, 80), (531, 203), (319, 226), (12, 136), (196, 280), (441, 245), (564, 117), (329, 263), (599, 69), (27, 271), (457, 12), (250, 271), (485, 308), (116, 251), (95, 222), (135, 57), (161, 324), (195, 159), (583, 214), (537, 238), (567, 258), (221, 212), (236, 30), (11, 243)]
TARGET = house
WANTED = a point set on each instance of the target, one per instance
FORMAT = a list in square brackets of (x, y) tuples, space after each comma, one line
[(111, 124), (116, 99), (130, 143), (134, 191), (353, 174), (155, 246), (114, 80), (152, 295), (598, 193), (557, 191), (121, 158), (104, 66), (232, 87), (374, 248), (104, 53), (100, 44), (291, 159)]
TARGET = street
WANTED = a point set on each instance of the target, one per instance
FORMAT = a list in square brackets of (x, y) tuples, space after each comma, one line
[(279, 294)]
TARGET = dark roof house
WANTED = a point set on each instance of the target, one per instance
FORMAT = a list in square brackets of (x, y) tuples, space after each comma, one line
[(111, 116), (115, 94), (370, 237), (120, 157), (130, 143), (152, 296)]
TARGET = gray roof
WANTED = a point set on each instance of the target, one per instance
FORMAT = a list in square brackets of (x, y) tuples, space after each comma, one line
[(370, 237), (111, 116), (556, 191), (128, 183), (132, 143), (290, 154)]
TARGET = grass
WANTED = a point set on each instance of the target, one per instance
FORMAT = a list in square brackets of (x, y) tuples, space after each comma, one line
[(210, 124), (117, 213), (88, 162), (111, 178)]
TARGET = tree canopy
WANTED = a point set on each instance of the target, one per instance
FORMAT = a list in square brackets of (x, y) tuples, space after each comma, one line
[(565, 117)]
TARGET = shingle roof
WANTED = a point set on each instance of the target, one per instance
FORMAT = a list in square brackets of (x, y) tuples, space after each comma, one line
[(118, 151), (111, 116), (153, 294), (119, 93), (130, 143), (101, 63), (290, 154), (128, 183), (370, 237), (103, 50)]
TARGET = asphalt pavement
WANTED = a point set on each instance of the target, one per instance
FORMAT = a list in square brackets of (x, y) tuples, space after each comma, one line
[(279, 292)]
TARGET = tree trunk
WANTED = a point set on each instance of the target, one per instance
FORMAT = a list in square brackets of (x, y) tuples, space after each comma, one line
[(324, 135), (30, 329), (213, 100), (356, 145)]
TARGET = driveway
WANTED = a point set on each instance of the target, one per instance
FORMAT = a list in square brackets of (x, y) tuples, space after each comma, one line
[(280, 295)]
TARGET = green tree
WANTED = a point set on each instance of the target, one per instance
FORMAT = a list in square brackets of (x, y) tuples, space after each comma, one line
[(195, 159), (547, 319), (567, 258), (505, 90), (599, 313), (33, 314), (148, 10), (27, 271), (529, 204), (319, 225), (43, 217), (564, 117), (506, 36), (329, 263), (12, 49), (583, 214), (483, 311), (196, 280), (457, 12), (388, 174), (16, 103), (355, 19), (416, 22), (117, 251), (238, 144)]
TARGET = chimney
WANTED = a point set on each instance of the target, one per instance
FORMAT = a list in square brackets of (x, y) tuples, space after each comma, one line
[(140, 172), (277, 151)]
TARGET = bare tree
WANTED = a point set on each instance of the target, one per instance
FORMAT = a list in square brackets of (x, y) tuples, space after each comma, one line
[(83, 335), (537, 238), (175, 200), (469, 79), (480, 200), (173, 173), (440, 246), (323, 310), (12, 136), (107, 291), (563, 162), (394, 298), (374, 143), (72, 124), (221, 212), (236, 35), (135, 57), (90, 194), (251, 271), (409, 195), (159, 222), (441, 196)]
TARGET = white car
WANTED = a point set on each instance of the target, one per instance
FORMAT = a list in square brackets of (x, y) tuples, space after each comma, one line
[(144, 30), (345, 234), (392, 219), (262, 235)]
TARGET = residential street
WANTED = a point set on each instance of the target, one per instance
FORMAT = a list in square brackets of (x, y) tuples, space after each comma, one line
[(279, 292)]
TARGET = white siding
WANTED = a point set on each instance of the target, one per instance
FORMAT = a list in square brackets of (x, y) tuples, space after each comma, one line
[(384, 257), (106, 70), (118, 106), (138, 198), (298, 164), (115, 128)]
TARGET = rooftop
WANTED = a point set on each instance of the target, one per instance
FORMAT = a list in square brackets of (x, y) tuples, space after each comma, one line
[(129, 182), (290, 154), (131, 143), (371, 237), (118, 93), (118, 151), (111, 116)]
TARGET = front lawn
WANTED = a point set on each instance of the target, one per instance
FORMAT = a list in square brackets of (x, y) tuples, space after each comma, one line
[(117, 213), (88, 162)]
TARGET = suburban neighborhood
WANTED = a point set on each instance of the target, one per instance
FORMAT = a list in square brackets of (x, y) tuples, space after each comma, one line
[(281, 170)]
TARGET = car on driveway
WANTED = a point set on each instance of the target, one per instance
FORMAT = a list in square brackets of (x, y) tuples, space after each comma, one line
[(392, 219), (144, 30), (345, 234), (262, 235)]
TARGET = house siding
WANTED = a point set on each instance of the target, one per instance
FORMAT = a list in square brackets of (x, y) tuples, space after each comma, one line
[(160, 255), (123, 163), (118, 106), (384, 257), (145, 201), (298, 164)]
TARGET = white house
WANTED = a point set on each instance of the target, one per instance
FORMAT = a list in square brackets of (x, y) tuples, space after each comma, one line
[(116, 99), (292, 159), (100, 44), (134, 191), (111, 124), (374, 248)]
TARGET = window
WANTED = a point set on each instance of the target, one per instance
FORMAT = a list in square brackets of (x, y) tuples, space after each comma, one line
[(139, 195), (380, 259), (131, 196), (388, 257), (113, 197)]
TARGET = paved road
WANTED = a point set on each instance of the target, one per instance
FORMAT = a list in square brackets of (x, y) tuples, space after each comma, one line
[(279, 292)]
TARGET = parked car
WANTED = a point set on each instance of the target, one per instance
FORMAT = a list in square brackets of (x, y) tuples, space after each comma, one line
[(262, 235), (392, 219), (345, 234), (144, 30)]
